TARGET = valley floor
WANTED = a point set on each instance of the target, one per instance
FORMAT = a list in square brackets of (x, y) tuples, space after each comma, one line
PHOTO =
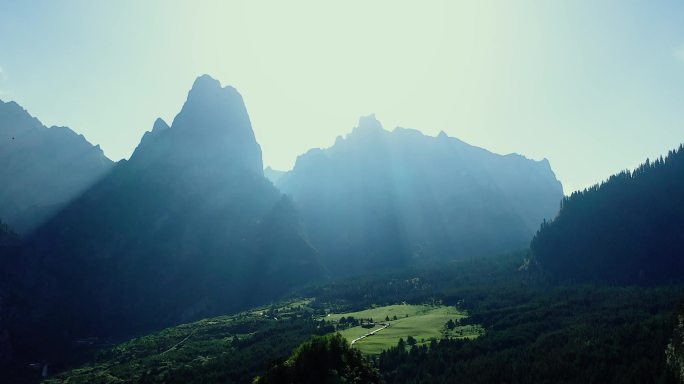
[(394, 322), (506, 328)]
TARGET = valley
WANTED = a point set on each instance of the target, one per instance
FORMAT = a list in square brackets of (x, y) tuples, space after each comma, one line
[(597, 334), (349, 192), (389, 257), (214, 343)]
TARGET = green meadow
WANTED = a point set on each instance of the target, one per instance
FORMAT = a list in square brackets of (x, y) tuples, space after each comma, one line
[(422, 322)]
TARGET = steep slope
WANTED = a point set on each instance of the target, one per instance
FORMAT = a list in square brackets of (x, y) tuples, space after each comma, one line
[(379, 198), (629, 229), (187, 228), (42, 168)]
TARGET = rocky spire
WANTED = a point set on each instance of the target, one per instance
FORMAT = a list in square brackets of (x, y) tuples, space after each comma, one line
[(212, 128)]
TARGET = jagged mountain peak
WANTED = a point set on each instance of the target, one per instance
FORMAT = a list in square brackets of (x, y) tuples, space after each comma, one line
[(190, 223), (12, 105), (159, 125), (368, 124), (218, 107), (212, 129), (48, 167), (21, 120), (206, 81), (410, 196)]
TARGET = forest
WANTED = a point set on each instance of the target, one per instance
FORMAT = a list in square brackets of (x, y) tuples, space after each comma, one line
[(628, 229), (534, 332)]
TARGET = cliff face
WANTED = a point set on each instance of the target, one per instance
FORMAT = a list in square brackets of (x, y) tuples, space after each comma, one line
[(211, 130)]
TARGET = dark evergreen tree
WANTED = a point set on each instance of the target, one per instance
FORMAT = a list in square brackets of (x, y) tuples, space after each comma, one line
[(322, 360), (628, 229)]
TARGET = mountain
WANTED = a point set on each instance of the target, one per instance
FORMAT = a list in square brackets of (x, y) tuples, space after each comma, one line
[(42, 168), (628, 229), (187, 228), (273, 174), (378, 198)]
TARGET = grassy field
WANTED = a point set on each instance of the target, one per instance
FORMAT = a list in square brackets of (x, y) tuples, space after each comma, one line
[(422, 322), (379, 313)]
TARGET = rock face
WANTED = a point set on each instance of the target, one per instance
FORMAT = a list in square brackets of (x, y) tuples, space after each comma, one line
[(42, 168), (211, 130), (187, 228), (379, 198)]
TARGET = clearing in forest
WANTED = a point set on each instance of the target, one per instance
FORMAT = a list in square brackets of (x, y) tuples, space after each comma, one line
[(421, 322)]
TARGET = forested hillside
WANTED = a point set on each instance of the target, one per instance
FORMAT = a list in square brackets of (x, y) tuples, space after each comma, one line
[(628, 229), (532, 333)]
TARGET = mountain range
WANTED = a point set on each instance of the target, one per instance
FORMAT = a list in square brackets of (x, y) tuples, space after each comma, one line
[(190, 226), (186, 228), (379, 198)]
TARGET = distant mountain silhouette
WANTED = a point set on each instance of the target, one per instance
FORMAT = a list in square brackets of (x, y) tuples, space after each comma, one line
[(187, 228), (628, 229), (190, 227), (273, 174), (379, 198), (42, 168)]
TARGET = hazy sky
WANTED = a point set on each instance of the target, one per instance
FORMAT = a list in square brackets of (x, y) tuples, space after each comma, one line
[(594, 86)]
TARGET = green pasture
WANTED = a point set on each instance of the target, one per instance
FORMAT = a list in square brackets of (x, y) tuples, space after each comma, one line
[(422, 322)]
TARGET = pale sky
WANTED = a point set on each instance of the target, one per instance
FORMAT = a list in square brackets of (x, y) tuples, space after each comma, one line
[(594, 86)]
